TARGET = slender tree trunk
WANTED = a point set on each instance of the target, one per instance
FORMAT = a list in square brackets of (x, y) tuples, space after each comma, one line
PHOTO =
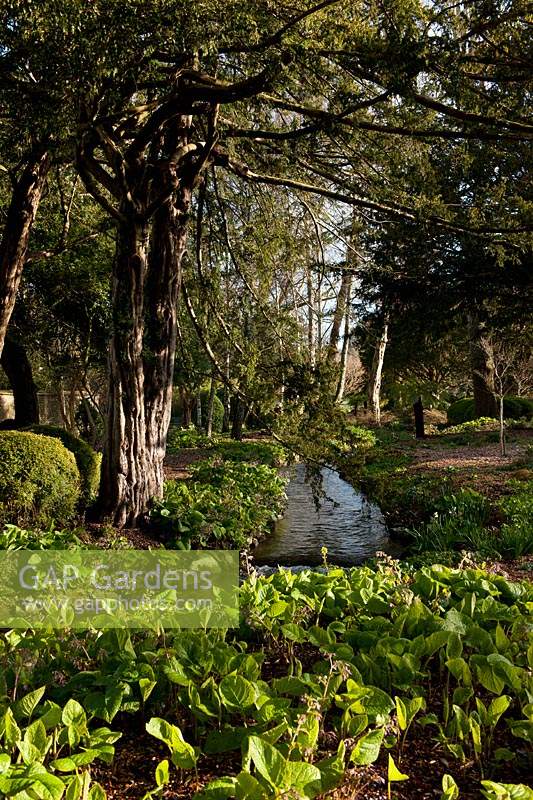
[(186, 410), (16, 234), (482, 365), (503, 449), (226, 400), (340, 309), (311, 343), (211, 406), (347, 282), (17, 367), (146, 278), (374, 389)]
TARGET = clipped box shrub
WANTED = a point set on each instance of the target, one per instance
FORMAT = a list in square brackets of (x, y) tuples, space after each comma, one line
[(87, 460), (513, 408), (39, 480)]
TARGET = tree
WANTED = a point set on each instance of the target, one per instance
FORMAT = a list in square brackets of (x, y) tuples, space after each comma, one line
[(307, 94)]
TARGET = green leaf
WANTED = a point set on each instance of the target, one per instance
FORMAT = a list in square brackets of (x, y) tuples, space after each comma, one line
[(393, 773), (450, 790), (162, 773), (12, 732), (48, 787), (237, 693), (248, 788), (506, 791), (268, 761), (146, 687), (303, 776), (73, 714), (219, 789), (366, 751), (25, 707), (183, 754), (97, 792)]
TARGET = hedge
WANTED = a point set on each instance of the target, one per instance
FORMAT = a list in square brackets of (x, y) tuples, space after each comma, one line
[(87, 460), (39, 480), (513, 408)]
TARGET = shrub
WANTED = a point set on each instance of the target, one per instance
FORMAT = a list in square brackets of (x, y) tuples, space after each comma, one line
[(513, 408), (87, 460), (39, 480), (183, 438), (473, 425)]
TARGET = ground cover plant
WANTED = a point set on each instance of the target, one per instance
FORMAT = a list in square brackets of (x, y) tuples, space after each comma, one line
[(327, 683), (222, 504)]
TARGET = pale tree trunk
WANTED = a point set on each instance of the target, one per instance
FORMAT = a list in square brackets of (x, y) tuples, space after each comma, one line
[(17, 367), (345, 289), (503, 449), (340, 310), (374, 389), (482, 366), (146, 278), (311, 343), (16, 234)]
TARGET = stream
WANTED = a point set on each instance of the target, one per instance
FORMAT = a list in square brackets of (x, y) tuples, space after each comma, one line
[(342, 520)]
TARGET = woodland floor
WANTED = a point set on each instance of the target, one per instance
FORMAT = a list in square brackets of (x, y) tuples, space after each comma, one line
[(478, 465)]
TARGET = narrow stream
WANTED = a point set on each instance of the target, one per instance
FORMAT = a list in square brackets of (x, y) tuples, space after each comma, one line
[(342, 520)]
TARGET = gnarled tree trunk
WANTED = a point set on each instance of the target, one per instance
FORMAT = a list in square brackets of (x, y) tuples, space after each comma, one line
[(17, 367), (146, 278), (16, 235)]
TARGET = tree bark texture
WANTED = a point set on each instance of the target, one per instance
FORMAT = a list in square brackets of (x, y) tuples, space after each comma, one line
[(17, 367), (146, 279), (16, 234)]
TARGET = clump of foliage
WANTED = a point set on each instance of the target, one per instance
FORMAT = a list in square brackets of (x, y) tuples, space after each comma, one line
[(457, 524), (188, 438), (516, 534), (479, 424), (39, 480), (513, 408), (255, 452), (47, 749), (222, 505), (87, 460), (14, 538)]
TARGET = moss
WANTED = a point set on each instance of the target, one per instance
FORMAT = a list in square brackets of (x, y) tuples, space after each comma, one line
[(39, 480)]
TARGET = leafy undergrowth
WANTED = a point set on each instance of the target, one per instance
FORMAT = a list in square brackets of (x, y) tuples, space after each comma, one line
[(334, 685), (254, 451), (221, 505)]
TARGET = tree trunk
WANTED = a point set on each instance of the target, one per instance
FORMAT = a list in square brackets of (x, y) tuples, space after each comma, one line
[(340, 309), (17, 367), (374, 389), (238, 420), (146, 277), (418, 410), (482, 365), (186, 409), (226, 398), (16, 235), (211, 406), (345, 290)]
